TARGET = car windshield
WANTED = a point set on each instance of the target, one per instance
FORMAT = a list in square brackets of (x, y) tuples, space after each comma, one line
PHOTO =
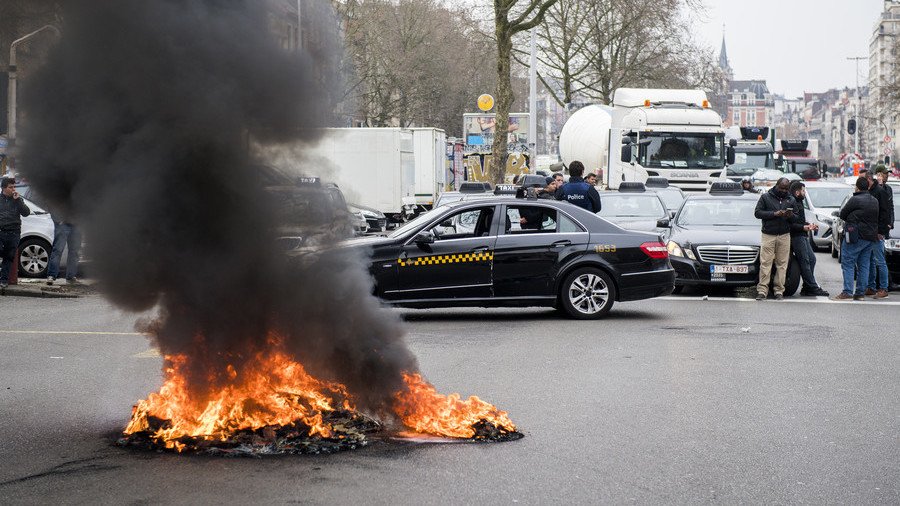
[(826, 197), (300, 207), (745, 164), (718, 212), (671, 197), (646, 205), (682, 151)]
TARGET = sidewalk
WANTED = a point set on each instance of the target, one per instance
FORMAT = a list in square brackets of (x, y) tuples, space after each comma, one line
[(29, 287)]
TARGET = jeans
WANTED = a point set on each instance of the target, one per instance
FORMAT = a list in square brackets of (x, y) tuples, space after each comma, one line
[(807, 260), (878, 268), (773, 249), (856, 256), (64, 234), (9, 243)]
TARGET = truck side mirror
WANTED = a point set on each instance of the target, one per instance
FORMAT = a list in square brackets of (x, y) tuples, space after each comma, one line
[(732, 142), (626, 153), (662, 223), (729, 155)]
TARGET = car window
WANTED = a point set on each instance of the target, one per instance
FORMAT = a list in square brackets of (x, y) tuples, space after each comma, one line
[(530, 219), (567, 225), (625, 205), (464, 224), (826, 197)]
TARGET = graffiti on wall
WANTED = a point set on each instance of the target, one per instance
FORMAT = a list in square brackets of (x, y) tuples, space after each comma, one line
[(478, 166)]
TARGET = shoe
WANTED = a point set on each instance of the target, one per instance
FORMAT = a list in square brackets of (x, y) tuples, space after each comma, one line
[(869, 292), (779, 296), (859, 296), (818, 292), (50, 280), (71, 281), (880, 294), (760, 296), (842, 296), (3, 284)]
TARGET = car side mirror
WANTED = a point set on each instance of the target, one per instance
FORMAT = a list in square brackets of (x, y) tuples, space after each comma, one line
[(672, 215), (447, 223), (729, 155), (424, 237), (662, 223), (835, 213)]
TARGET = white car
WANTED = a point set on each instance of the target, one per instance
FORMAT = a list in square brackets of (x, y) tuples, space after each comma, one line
[(822, 198), (36, 243)]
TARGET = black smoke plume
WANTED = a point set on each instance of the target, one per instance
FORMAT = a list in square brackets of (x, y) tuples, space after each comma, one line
[(138, 127)]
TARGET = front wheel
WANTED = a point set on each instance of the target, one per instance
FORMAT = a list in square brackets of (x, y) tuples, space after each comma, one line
[(34, 258), (587, 294)]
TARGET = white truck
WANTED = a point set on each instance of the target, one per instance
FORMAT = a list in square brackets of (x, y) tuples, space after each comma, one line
[(430, 148), (374, 167), (648, 132)]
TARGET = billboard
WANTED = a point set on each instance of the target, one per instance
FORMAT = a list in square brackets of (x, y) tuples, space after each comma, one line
[(479, 130)]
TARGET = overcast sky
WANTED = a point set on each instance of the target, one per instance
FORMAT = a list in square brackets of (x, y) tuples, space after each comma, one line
[(795, 45)]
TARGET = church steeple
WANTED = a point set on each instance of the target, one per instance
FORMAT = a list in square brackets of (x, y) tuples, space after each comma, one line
[(723, 58)]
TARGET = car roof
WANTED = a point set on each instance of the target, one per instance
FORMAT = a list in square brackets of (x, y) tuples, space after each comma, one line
[(824, 184), (721, 196)]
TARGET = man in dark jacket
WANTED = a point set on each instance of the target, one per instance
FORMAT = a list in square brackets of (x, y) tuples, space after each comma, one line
[(800, 243), (776, 210), (577, 191), (12, 208), (877, 286), (860, 215)]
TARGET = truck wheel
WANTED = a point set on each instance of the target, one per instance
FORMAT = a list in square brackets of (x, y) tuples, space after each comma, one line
[(587, 294), (34, 258)]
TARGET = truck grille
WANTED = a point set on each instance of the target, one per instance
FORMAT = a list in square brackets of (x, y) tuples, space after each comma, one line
[(728, 254)]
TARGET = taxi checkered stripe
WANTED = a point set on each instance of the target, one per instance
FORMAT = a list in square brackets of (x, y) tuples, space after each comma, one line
[(447, 259)]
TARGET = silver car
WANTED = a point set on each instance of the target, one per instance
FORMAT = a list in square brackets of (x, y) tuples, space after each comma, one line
[(822, 198)]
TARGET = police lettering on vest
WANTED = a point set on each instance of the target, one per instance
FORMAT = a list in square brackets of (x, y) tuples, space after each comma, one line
[(576, 192)]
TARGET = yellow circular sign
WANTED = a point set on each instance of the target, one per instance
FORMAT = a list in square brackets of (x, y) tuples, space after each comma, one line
[(485, 102)]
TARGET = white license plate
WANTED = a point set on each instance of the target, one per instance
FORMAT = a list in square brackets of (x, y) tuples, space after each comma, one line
[(729, 269)]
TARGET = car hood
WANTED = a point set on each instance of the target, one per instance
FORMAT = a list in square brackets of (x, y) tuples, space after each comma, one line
[(737, 236), (641, 224), (366, 242)]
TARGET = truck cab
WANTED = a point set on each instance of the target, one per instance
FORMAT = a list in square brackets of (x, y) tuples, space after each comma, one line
[(752, 152)]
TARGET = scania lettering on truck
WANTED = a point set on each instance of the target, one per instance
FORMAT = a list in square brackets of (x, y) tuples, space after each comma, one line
[(648, 132)]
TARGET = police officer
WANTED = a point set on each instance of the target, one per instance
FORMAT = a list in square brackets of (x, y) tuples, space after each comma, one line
[(579, 192)]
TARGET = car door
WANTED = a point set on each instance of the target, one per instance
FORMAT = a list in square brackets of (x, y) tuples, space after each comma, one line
[(526, 259), (458, 261)]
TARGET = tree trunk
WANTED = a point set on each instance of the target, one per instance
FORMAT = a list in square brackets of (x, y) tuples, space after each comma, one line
[(504, 102)]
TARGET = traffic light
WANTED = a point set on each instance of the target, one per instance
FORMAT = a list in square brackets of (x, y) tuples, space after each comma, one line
[(887, 160), (851, 126)]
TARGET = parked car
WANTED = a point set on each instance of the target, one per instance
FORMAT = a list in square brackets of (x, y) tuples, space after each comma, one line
[(633, 207), (823, 198), (375, 220), (36, 243)]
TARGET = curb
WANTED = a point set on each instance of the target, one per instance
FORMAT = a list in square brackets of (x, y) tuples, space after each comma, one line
[(21, 291)]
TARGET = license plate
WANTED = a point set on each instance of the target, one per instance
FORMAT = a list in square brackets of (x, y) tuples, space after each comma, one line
[(729, 269)]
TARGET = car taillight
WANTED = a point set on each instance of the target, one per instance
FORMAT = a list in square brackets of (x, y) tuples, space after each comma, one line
[(655, 250)]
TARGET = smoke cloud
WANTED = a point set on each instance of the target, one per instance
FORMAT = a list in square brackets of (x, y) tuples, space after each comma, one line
[(138, 128)]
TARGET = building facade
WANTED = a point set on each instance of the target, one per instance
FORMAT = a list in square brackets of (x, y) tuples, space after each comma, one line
[(881, 125)]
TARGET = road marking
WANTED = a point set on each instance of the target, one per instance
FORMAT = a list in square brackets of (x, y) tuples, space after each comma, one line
[(151, 353), (72, 332), (805, 300)]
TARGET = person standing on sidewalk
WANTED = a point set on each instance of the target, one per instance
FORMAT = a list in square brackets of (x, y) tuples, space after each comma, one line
[(860, 215), (776, 210), (65, 234), (12, 209), (878, 282), (800, 243)]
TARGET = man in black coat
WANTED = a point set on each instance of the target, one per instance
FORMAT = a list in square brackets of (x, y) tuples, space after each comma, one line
[(12, 208), (860, 215), (877, 287), (800, 230), (776, 210)]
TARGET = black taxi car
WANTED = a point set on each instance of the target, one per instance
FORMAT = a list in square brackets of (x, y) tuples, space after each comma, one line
[(509, 252), (715, 240)]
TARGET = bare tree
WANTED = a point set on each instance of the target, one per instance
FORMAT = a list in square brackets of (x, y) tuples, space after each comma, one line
[(510, 18)]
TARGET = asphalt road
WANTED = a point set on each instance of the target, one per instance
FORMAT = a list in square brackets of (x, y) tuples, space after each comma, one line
[(675, 400)]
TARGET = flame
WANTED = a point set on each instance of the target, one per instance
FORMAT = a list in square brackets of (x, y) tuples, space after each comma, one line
[(423, 409), (273, 390)]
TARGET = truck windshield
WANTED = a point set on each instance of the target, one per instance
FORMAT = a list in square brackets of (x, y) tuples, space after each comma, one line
[(682, 150), (745, 164)]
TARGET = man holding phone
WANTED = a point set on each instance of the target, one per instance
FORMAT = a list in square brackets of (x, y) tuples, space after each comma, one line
[(12, 208), (776, 210)]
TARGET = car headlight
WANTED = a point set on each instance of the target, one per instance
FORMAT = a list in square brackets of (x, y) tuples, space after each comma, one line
[(675, 249), (892, 244)]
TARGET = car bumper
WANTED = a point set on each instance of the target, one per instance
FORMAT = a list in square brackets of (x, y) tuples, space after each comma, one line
[(646, 285), (691, 272)]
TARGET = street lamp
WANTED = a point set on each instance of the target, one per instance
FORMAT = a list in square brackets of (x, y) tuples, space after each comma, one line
[(11, 123)]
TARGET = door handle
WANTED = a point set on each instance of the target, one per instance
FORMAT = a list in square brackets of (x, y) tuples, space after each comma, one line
[(482, 249), (561, 244)]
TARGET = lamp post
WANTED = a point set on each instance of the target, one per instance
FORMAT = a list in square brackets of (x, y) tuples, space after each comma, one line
[(11, 123)]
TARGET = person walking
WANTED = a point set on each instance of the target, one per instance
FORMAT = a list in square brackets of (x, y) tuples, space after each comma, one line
[(879, 277), (800, 245), (579, 192), (65, 234), (12, 209), (860, 215), (776, 210)]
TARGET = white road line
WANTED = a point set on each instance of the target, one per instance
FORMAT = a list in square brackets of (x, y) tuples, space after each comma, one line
[(804, 300), (73, 332)]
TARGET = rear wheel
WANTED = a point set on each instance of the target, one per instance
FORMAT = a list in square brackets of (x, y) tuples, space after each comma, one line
[(34, 258), (587, 294)]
